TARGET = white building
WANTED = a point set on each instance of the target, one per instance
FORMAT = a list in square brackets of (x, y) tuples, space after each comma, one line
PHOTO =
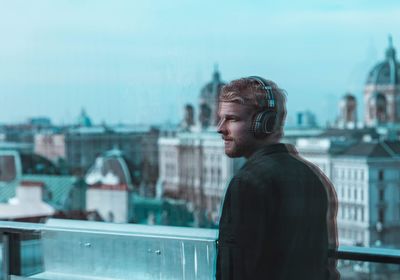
[(366, 176), (194, 167)]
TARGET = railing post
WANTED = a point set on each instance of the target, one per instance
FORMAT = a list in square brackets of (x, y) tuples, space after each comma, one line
[(5, 261), (11, 255)]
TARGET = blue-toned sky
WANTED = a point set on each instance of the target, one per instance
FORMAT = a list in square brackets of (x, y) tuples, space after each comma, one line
[(141, 61)]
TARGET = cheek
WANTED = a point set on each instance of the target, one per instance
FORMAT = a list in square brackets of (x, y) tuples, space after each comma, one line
[(241, 131)]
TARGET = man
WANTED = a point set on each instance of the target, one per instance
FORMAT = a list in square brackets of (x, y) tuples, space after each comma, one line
[(279, 214)]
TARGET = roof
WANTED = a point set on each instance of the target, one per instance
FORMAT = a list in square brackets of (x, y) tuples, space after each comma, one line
[(349, 133), (388, 71), (7, 190), (212, 88), (382, 149), (58, 187)]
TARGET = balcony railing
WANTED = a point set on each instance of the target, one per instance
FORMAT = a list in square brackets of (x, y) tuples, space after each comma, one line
[(64, 249)]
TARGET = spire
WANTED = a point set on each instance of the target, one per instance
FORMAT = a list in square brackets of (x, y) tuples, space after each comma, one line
[(390, 51), (216, 76)]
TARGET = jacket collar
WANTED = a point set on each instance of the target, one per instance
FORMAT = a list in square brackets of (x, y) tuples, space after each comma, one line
[(272, 149)]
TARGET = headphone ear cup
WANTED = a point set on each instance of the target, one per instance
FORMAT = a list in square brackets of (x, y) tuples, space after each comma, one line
[(263, 124)]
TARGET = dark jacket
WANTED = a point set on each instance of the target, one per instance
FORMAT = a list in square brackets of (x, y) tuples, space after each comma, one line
[(278, 219)]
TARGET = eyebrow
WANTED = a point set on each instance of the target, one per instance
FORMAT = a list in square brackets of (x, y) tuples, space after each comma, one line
[(230, 116)]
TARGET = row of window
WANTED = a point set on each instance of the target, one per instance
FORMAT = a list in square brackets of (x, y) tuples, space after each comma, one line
[(170, 170), (352, 193), (212, 158), (355, 174), (351, 234), (352, 213), (212, 175)]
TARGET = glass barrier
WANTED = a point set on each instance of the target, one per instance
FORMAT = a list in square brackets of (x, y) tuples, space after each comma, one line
[(79, 250)]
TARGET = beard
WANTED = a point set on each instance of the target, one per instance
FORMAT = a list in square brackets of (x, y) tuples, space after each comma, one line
[(235, 149)]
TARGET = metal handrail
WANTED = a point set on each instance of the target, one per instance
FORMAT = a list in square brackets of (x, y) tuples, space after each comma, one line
[(366, 254)]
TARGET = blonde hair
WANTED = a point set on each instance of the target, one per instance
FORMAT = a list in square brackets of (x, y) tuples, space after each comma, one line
[(248, 91)]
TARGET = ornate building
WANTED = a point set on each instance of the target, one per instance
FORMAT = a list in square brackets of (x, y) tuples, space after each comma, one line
[(382, 91), (208, 103)]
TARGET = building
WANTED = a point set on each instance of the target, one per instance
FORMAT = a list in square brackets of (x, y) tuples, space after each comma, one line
[(366, 177), (208, 101), (50, 146), (306, 119), (194, 167), (348, 112), (382, 91), (32, 188), (138, 143), (112, 194)]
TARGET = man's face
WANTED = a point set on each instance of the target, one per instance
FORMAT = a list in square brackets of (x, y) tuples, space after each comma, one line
[(235, 127)]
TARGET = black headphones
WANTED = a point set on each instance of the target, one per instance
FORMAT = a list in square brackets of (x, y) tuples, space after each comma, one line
[(264, 121)]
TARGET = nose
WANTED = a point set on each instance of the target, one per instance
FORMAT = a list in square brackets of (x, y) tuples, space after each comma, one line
[(221, 127)]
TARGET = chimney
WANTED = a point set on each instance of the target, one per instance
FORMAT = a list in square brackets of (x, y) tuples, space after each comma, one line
[(30, 192)]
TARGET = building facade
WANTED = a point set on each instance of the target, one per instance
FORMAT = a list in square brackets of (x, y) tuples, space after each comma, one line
[(194, 167), (366, 177)]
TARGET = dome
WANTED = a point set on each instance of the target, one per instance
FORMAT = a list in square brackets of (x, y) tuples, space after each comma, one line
[(349, 96), (112, 168), (208, 105), (212, 89), (84, 120), (388, 71)]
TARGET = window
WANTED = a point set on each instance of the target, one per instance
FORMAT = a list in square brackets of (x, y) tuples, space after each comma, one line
[(8, 170), (381, 215), (381, 195), (381, 175)]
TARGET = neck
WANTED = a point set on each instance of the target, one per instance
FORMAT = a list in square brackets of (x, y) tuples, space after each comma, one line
[(261, 144)]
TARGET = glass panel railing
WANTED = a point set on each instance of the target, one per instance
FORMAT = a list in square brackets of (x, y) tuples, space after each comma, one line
[(80, 250)]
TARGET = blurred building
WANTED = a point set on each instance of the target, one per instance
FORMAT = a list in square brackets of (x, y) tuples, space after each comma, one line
[(366, 177), (347, 112), (306, 119), (208, 101), (188, 122), (194, 167), (50, 146), (112, 194), (32, 189), (382, 91), (138, 143)]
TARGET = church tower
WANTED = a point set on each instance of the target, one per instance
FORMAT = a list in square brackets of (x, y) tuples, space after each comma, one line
[(208, 105), (348, 112), (382, 91)]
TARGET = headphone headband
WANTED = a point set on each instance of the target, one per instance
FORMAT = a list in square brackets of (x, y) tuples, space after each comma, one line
[(269, 101), (264, 122)]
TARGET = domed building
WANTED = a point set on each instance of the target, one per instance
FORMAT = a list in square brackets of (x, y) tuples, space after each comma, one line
[(382, 91), (208, 105), (84, 119)]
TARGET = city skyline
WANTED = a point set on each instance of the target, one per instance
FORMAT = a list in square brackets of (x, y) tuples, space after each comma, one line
[(124, 62)]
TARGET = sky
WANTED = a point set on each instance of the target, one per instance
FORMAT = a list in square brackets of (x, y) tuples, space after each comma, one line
[(142, 61)]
